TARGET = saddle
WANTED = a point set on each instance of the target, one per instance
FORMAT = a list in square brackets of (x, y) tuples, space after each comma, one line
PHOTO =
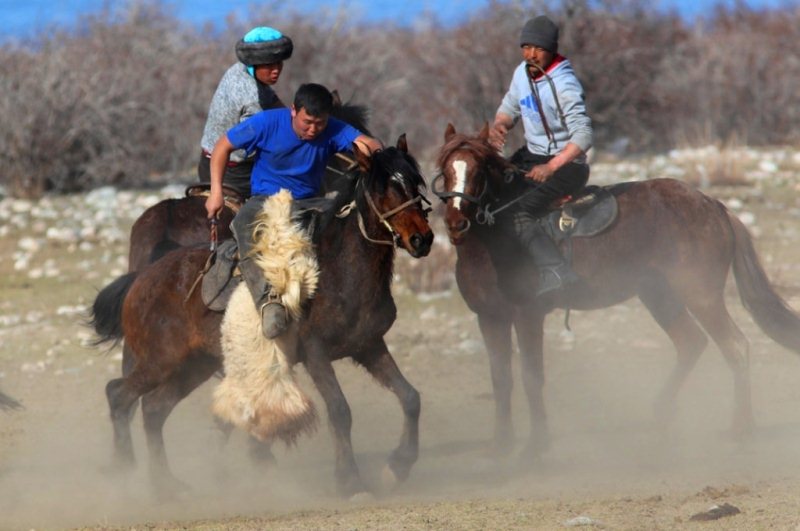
[(222, 274), (233, 199), (588, 214)]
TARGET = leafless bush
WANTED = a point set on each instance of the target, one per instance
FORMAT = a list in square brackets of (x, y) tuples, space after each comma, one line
[(123, 99), (114, 103)]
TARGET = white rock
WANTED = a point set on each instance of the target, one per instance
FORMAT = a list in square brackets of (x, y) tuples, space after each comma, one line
[(748, 218), (767, 166), (29, 244), (20, 205)]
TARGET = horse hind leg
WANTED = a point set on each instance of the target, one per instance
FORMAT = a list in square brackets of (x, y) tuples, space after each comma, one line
[(713, 315), (688, 338), (122, 401), (384, 369), (156, 407)]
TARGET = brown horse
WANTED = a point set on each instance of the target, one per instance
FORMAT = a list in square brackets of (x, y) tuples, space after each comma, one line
[(175, 345), (670, 245), (183, 222)]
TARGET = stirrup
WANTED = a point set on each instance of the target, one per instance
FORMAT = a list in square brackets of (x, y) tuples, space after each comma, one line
[(554, 278), (274, 316)]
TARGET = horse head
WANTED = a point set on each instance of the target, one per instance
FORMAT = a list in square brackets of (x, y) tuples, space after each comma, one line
[(468, 167), (392, 187)]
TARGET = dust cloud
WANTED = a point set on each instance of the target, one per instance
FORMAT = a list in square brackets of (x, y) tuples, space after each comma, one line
[(55, 456)]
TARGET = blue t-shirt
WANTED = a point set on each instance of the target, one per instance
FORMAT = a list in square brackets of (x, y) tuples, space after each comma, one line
[(282, 159)]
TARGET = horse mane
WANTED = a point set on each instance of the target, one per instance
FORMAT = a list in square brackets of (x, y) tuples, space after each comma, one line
[(355, 115), (389, 163), (482, 149)]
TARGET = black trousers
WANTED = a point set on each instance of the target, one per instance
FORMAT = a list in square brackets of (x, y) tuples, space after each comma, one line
[(566, 181), (242, 228), (236, 177)]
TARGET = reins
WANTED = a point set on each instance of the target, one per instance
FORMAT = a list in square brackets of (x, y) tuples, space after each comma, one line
[(214, 222), (484, 215), (383, 218), (551, 139)]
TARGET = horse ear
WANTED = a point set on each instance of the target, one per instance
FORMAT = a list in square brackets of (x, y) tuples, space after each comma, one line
[(484, 134), (363, 159), (402, 145), (337, 100), (449, 132)]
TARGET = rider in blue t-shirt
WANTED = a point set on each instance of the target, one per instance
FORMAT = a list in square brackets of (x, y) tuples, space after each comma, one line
[(284, 159), (292, 147)]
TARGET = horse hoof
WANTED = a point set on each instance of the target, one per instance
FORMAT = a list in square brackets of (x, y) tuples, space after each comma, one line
[(118, 467), (171, 490), (362, 497), (389, 479)]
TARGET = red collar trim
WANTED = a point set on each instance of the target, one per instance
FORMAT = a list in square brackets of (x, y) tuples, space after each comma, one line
[(557, 60)]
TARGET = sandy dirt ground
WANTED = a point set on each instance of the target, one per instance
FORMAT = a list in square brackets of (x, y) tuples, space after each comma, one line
[(610, 466)]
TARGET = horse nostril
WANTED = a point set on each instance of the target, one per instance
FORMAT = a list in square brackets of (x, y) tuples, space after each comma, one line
[(462, 225), (416, 241)]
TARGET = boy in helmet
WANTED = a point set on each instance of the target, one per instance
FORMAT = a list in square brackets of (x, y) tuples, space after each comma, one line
[(244, 90)]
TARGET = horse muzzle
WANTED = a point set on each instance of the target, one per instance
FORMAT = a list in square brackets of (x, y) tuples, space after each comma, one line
[(420, 244), (457, 230)]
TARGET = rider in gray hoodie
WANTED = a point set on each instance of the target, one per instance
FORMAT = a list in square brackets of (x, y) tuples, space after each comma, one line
[(547, 96)]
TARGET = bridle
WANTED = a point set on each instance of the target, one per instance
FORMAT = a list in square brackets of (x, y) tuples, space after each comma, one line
[(484, 214), (383, 217)]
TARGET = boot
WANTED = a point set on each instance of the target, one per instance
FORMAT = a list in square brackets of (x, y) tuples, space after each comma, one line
[(554, 272), (274, 317)]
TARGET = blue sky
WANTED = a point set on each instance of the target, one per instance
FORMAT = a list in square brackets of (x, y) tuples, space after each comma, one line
[(23, 18)]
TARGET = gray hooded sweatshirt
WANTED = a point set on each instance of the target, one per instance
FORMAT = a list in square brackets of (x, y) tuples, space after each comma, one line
[(235, 100), (519, 102)]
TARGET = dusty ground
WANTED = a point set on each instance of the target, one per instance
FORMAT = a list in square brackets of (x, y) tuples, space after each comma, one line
[(608, 462)]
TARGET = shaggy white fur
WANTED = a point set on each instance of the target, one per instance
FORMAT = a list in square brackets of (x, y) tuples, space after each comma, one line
[(259, 392)]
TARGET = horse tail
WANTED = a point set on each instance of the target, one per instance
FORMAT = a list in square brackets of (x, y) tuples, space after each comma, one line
[(106, 316), (772, 314), (6, 402)]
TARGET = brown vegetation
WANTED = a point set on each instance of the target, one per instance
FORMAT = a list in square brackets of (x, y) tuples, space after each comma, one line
[(123, 98)]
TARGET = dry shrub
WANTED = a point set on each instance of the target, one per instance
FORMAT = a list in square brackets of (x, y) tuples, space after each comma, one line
[(123, 99)]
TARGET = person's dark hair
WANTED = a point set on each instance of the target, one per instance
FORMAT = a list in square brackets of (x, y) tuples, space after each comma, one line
[(314, 98)]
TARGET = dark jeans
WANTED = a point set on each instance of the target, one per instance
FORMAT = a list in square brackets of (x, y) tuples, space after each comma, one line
[(566, 181), (236, 176), (242, 228), (243, 223)]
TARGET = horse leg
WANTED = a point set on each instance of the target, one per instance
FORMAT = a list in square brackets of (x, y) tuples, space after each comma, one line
[(497, 339), (156, 407), (319, 367), (530, 336), (688, 338), (714, 317), (383, 368), (122, 400), (259, 451)]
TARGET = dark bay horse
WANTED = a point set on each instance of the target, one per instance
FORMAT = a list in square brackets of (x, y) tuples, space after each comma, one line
[(175, 344), (670, 245)]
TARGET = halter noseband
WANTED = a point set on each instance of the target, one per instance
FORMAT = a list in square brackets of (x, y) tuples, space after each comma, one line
[(483, 216), (383, 218)]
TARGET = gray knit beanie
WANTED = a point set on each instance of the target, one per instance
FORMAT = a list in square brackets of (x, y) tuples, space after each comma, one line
[(541, 32)]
